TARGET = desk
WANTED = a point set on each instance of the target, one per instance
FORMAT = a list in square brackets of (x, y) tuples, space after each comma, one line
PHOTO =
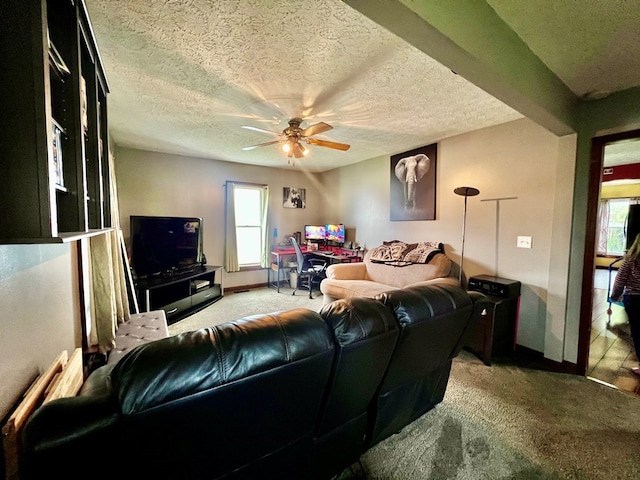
[(278, 254), (332, 254), (338, 255)]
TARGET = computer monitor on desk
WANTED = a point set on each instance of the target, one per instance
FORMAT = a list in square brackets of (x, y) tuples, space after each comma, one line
[(327, 235), (314, 232), (334, 233)]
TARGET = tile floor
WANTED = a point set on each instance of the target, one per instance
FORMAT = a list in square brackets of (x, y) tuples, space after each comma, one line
[(611, 354)]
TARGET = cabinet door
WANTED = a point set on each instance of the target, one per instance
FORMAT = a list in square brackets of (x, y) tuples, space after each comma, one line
[(206, 295), (160, 297), (176, 309)]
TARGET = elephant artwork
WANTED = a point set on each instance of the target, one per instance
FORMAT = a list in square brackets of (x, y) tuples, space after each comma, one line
[(413, 188), (410, 171)]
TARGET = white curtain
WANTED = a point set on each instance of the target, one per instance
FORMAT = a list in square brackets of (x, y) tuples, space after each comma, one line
[(230, 244), (603, 231), (265, 258), (110, 302)]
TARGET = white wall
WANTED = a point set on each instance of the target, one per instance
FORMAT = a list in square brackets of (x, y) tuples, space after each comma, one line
[(518, 159)]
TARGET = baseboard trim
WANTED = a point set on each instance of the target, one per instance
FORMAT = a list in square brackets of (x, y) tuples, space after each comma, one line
[(528, 357), (243, 288)]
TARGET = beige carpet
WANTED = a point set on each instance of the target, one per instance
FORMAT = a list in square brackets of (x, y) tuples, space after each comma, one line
[(505, 422), (233, 306), (498, 422)]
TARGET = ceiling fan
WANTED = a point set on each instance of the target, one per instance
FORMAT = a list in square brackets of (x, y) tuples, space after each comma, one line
[(293, 137)]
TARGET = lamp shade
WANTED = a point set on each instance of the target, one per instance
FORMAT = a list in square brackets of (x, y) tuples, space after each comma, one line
[(466, 191)]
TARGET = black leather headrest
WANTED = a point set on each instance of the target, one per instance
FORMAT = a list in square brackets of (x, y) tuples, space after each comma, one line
[(357, 318), (189, 363), (416, 304)]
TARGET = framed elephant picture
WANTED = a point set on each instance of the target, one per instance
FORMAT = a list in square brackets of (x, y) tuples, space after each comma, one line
[(413, 184)]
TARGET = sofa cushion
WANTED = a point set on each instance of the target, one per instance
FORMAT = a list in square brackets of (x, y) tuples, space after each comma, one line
[(401, 276), (353, 288)]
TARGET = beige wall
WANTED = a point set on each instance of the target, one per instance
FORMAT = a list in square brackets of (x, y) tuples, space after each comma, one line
[(161, 184), (521, 162), (518, 159), (39, 313)]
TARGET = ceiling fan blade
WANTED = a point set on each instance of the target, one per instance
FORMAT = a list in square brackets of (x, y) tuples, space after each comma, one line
[(298, 150), (315, 129), (261, 130), (325, 143), (260, 145)]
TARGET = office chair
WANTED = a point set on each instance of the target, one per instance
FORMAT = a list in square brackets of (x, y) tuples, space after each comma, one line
[(310, 270)]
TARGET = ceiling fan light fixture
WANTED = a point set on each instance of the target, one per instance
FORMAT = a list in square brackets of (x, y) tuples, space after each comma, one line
[(292, 138)]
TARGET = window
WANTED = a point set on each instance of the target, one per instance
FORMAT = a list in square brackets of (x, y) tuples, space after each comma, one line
[(246, 226), (248, 213), (613, 217)]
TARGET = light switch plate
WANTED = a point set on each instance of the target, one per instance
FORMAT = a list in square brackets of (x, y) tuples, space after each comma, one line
[(524, 242)]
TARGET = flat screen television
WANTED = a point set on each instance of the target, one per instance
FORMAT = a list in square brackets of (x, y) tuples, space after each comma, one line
[(334, 233), (165, 245), (314, 232)]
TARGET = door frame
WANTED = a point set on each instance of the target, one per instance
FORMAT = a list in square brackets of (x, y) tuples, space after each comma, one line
[(588, 265)]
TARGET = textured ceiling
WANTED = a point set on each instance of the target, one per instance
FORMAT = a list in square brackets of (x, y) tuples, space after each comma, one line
[(591, 45), (186, 74)]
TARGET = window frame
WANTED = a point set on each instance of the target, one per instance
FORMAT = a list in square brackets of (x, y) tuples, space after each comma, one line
[(261, 224)]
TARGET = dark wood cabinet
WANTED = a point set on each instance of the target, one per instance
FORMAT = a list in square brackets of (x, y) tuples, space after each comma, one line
[(494, 332), (53, 134), (181, 294)]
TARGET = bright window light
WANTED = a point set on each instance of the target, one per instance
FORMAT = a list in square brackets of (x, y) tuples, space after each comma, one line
[(248, 213)]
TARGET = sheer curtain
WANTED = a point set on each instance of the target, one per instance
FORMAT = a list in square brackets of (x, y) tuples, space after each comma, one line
[(110, 302)]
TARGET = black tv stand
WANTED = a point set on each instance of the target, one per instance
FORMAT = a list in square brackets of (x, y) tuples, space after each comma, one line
[(178, 272), (180, 293)]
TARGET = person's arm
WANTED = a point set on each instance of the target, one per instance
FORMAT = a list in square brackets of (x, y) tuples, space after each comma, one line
[(621, 280)]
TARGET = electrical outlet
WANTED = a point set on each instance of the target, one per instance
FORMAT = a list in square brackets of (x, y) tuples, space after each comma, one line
[(524, 242)]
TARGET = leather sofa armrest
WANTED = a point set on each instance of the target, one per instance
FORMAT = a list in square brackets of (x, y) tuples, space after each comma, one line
[(347, 271), (479, 299)]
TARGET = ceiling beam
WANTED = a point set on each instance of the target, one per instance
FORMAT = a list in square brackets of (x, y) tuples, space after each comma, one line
[(468, 37)]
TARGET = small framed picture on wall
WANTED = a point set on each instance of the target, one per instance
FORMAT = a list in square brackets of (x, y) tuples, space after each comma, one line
[(293, 197)]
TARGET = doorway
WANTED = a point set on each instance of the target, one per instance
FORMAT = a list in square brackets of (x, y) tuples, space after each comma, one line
[(604, 348)]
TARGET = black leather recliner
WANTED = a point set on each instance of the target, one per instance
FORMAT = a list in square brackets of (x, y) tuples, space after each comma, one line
[(433, 322), (238, 400), (365, 335), (289, 395)]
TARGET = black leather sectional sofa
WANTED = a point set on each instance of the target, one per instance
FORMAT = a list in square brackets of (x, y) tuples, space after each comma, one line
[(288, 395)]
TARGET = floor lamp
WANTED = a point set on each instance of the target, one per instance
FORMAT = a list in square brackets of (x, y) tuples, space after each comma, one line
[(465, 192)]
